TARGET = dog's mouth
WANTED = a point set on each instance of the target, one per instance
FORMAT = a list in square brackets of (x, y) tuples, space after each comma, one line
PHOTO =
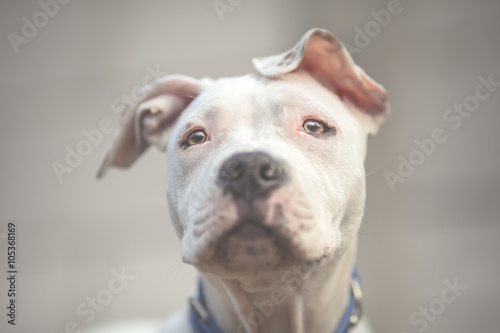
[(250, 231), (250, 245), (257, 236)]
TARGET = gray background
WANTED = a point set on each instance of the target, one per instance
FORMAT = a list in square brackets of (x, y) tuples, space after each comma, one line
[(441, 223)]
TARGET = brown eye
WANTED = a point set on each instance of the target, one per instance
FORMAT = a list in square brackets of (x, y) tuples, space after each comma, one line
[(196, 137), (311, 126)]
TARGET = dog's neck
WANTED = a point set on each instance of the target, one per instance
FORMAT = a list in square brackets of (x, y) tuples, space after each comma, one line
[(302, 303)]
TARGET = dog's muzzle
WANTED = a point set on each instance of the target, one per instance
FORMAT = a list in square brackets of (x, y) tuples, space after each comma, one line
[(251, 175)]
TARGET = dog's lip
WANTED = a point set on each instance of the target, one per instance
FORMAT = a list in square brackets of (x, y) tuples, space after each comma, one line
[(250, 230), (252, 242)]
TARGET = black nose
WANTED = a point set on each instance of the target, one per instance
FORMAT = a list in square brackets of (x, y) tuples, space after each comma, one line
[(251, 175)]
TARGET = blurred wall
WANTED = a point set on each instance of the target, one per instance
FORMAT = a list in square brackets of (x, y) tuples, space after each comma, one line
[(437, 223)]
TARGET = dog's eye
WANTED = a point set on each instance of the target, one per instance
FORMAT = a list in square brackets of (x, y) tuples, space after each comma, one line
[(196, 137), (312, 126)]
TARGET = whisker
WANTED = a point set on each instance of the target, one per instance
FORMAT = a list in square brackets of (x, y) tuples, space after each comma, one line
[(374, 170), (182, 94), (175, 269), (303, 217)]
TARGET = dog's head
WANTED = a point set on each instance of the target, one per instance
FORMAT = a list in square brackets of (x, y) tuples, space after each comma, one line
[(264, 170)]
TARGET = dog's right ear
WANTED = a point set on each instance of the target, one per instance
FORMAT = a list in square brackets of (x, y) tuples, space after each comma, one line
[(149, 120), (324, 57)]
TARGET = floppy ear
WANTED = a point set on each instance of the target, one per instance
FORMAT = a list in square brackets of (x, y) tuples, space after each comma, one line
[(325, 58), (148, 121)]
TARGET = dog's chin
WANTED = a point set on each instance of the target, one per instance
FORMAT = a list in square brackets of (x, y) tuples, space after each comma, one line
[(260, 240), (254, 250), (251, 247)]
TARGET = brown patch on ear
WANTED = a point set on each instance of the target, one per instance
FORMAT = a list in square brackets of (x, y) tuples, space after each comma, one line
[(325, 58), (145, 123)]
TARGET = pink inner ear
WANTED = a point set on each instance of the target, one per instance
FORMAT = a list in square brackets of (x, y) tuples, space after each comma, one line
[(332, 66), (323, 56), (162, 112), (145, 123)]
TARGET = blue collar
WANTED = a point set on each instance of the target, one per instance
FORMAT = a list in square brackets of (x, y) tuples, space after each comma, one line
[(203, 322)]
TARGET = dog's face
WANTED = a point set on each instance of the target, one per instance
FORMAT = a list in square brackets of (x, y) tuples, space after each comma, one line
[(264, 170)]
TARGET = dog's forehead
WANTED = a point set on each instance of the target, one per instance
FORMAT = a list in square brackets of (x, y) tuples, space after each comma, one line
[(255, 101), (240, 99)]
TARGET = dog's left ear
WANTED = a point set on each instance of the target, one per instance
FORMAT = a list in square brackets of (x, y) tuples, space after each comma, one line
[(326, 59), (149, 120)]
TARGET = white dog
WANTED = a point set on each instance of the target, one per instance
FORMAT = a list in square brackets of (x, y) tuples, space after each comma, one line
[(266, 187)]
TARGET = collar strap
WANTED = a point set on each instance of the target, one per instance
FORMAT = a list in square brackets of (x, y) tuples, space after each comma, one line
[(203, 322)]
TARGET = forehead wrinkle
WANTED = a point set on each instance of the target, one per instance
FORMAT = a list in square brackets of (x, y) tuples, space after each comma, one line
[(305, 102), (268, 111), (206, 112)]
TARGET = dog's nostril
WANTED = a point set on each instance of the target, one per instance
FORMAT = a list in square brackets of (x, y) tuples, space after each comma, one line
[(269, 171), (231, 172), (234, 170)]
